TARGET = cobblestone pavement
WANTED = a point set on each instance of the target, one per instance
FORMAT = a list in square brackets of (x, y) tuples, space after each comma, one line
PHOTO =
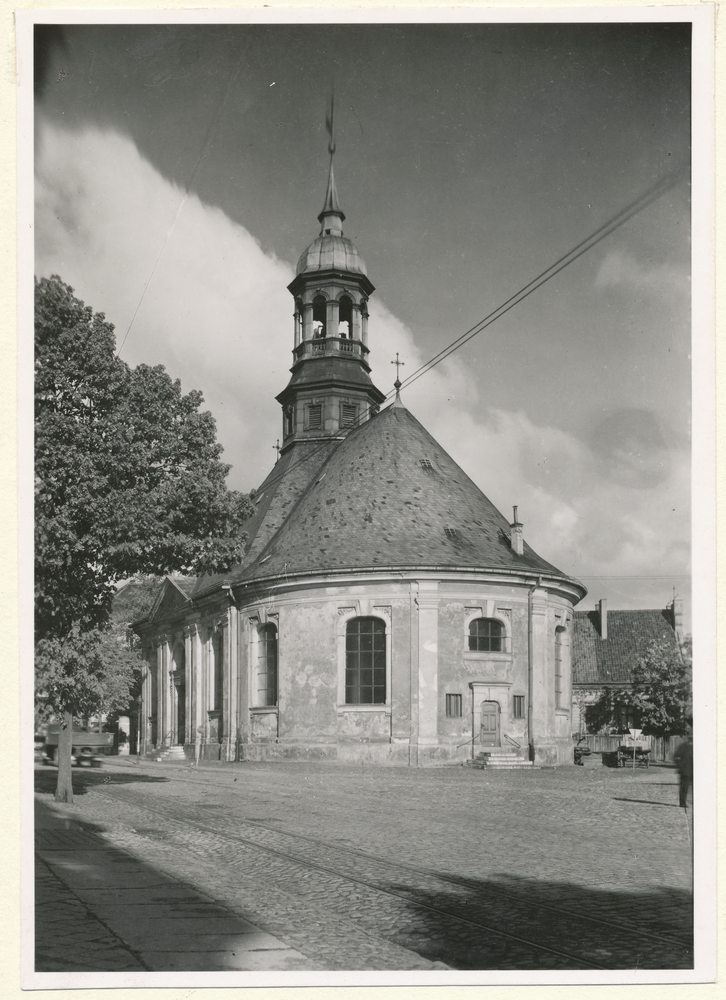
[(372, 869)]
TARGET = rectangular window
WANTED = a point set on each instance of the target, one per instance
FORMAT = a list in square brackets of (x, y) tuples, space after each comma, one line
[(365, 662), (519, 706), (348, 414), (453, 706), (315, 416)]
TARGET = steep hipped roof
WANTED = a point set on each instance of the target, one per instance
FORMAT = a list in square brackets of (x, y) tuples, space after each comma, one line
[(629, 633), (330, 371), (273, 502), (385, 497)]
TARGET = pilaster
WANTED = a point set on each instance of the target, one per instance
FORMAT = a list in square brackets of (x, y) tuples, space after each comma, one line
[(428, 660)]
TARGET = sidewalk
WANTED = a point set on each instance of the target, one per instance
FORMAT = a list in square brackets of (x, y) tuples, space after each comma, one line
[(100, 909)]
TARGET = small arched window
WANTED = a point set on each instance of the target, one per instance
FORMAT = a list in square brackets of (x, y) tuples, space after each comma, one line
[(267, 665), (319, 309), (365, 662), (486, 635), (345, 324)]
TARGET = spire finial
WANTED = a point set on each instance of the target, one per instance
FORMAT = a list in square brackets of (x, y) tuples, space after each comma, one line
[(331, 217), (397, 383), (329, 125)]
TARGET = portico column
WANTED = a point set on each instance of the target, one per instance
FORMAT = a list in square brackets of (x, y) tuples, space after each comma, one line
[(428, 661), (189, 672), (161, 685), (232, 661)]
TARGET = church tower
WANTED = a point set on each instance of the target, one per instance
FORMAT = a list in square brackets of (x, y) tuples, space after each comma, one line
[(330, 390)]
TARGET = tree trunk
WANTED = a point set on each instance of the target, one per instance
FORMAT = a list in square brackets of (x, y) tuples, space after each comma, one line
[(64, 788)]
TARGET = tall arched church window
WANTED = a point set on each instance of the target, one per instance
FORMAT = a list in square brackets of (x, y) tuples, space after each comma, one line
[(345, 324), (267, 665), (319, 308), (559, 701), (486, 635), (365, 662)]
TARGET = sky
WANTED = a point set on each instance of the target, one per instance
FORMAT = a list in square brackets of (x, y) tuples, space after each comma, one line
[(180, 170)]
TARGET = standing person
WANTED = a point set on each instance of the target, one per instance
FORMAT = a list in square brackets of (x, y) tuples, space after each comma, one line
[(683, 758)]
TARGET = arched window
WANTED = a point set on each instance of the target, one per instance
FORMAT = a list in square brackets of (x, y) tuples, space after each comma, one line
[(365, 662), (267, 665), (319, 308), (345, 324), (559, 698), (486, 635)]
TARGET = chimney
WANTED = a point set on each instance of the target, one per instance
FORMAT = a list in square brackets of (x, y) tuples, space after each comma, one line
[(603, 618), (677, 609), (516, 537)]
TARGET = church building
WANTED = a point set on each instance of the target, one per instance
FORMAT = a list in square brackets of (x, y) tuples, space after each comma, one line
[(384, 611)]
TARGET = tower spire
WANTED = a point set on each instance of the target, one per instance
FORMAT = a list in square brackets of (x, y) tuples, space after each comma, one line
[(331, 217)]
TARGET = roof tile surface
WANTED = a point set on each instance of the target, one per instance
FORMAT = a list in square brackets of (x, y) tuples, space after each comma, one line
[(611, 660), (373, 503)]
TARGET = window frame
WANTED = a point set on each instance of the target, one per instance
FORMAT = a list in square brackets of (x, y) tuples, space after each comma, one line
[(501, 639), (363, 609), (454, 700), (263, 644)]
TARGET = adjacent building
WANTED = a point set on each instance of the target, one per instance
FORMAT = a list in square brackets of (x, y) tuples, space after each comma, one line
[(606, 646)]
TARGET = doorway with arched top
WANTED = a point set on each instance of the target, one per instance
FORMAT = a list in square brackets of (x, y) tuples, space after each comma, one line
[(490, 724)]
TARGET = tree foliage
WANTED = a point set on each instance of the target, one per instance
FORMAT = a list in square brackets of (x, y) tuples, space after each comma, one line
[(659, 697), (84, 673), (128, 472)]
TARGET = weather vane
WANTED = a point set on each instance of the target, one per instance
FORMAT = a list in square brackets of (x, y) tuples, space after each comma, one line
[(277, 449), (329, 124)]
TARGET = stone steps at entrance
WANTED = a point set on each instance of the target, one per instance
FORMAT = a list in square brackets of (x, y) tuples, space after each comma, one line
[(173, 753), (499, 758)]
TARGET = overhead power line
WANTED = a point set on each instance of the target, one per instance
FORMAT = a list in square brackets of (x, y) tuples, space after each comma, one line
[(638, 205)]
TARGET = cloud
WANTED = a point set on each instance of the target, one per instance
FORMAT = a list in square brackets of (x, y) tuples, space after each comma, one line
[(188, 288), (623, 270)]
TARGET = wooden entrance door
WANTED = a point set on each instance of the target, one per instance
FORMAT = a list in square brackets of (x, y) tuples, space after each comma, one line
[(489, 729), (180, 712)]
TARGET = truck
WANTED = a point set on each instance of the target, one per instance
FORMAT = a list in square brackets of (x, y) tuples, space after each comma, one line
[(87, 747)]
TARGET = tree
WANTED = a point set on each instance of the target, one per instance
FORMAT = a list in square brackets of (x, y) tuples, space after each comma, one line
[(659, 697), (82, 674), (128, 479)]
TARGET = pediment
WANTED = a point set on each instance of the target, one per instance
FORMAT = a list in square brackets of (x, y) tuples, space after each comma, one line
[(171, 598)]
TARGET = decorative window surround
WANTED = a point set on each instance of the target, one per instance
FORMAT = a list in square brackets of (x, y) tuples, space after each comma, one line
[(382, 709), (364, 608)]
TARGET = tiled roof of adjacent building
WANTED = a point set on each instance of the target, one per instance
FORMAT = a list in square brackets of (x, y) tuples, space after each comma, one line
[(629, 633), (388, 495)]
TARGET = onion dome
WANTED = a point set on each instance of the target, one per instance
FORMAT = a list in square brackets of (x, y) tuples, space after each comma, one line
[(329, 252)]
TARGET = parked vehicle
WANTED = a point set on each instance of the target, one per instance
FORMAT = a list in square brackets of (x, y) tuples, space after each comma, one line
[(87, 747), (581, 750)]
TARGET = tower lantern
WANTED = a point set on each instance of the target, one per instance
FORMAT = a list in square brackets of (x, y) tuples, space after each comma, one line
[(330, 390)]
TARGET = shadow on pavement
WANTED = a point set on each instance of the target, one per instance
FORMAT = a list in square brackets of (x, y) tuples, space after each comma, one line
[(647, 802), (46, 779), (98, 908), (575, 928)]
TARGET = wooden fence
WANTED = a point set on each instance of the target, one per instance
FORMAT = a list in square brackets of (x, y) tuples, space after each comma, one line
[(662, 747)]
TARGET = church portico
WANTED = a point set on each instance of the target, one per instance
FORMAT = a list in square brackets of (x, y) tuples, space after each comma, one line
[(384, 610)]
